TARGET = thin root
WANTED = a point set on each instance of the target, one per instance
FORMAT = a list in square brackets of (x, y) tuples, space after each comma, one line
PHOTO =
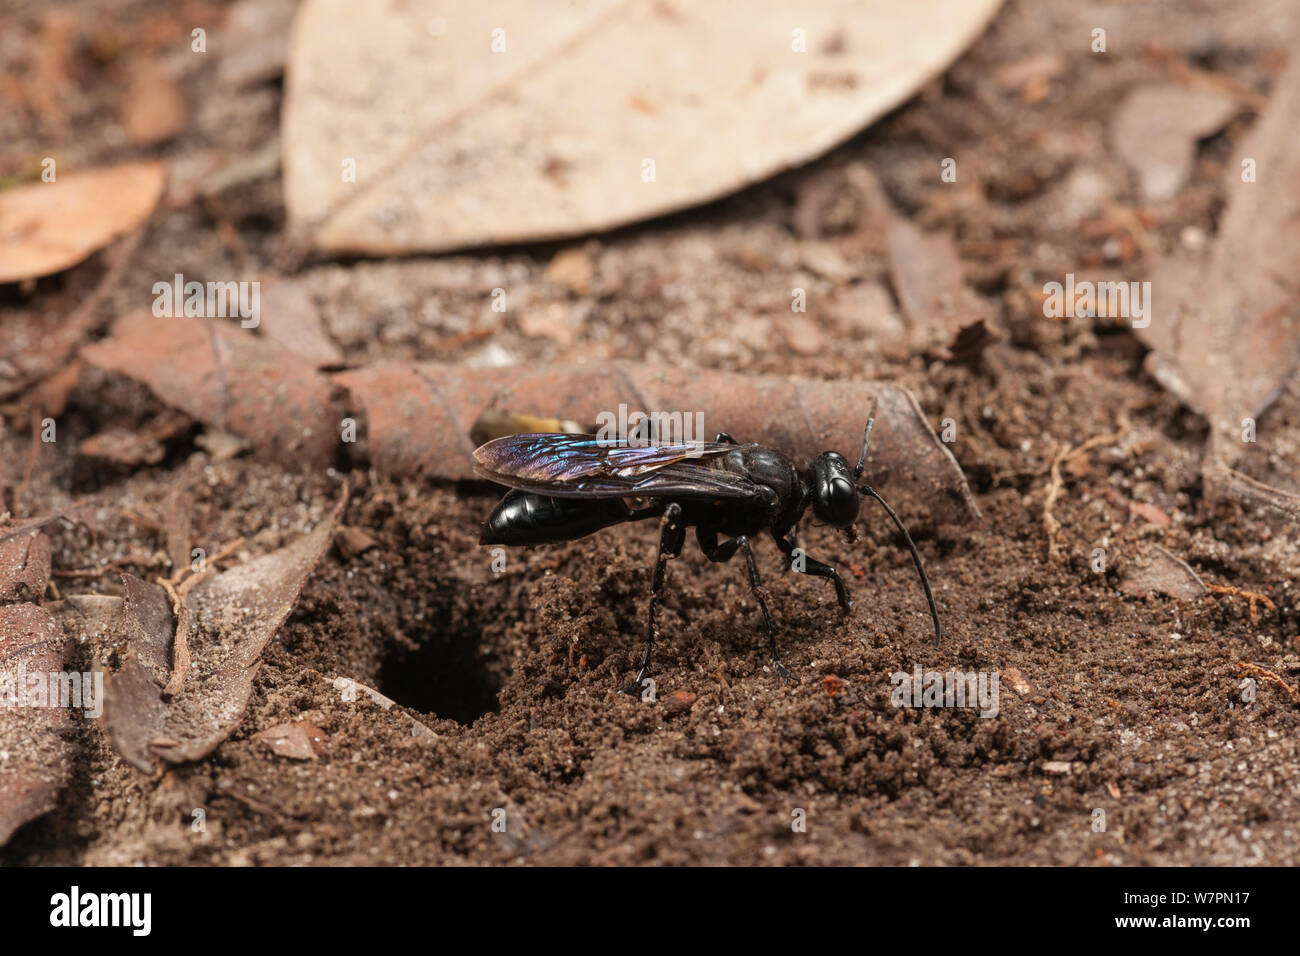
[(1269, 677), (1254, 597)]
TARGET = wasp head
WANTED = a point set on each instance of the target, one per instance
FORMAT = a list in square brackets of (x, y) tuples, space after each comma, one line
[(834, 494)]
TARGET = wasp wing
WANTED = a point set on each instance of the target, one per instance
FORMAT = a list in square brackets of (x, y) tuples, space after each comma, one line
[(584, 466)]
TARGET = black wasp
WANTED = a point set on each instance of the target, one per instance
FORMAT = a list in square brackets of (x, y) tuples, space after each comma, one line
[(568, 486)]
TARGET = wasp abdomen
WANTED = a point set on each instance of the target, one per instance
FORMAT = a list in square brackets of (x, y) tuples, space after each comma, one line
[(524, 517)]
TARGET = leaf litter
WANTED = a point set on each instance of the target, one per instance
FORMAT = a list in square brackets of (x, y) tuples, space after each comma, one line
[(1227, 337), (231, 617), (35, 756)]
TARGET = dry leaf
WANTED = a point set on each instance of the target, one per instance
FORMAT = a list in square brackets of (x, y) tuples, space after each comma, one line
[(228, 378), (48, 227), (129, 447), (1156, 571), (148, 624), (36, 755), (300, 740), (232, 616), (24, 566), (353, 541), (1228, 336), (132, 696), (1156, 128), (418, 418), (457, 145), (74, 513), (289, 316), (927, 276)]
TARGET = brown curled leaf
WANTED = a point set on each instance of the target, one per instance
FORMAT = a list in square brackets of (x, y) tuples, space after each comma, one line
[(290, 317), (36, 764), (79, 512), (132, 696), (24, 566), (419, 417), (232, 616), (229, 378)]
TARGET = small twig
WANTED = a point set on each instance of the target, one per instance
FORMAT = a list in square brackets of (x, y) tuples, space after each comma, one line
[(180, 607), (181, 646), (1056, 483), (1269, 677), (1254, 597)]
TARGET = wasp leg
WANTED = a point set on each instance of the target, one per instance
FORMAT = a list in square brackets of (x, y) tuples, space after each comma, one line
[(724, 552), (816, 568), (672, 535)]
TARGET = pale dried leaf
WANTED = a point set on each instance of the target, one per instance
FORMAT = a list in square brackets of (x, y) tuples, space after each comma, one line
[(456, 145)]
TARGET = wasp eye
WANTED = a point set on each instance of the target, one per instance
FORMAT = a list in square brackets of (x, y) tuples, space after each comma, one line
[(835, 499), (841, 501)]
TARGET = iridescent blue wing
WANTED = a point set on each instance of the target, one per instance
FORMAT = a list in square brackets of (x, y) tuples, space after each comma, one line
[(584, 466)]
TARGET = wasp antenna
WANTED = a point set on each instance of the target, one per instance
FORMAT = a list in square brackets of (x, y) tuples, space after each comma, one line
[(925, 582), (866, 440)]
